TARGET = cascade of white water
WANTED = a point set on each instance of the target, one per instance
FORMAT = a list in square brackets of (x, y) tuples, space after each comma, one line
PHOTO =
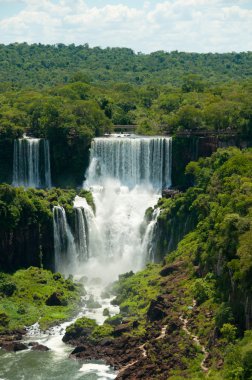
[(29, 170), (133, 161), (84, 224), (126, 176), (149, 241), (64, 246)]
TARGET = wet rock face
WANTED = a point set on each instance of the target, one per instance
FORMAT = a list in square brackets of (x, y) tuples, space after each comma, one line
[(14, 346), (10, 341)]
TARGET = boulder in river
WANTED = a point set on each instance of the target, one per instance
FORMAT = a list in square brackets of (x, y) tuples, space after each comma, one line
[(39, 347), (14, 346)]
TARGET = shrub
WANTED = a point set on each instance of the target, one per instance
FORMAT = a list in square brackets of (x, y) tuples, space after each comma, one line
[(4, 320), (224, 315), (201, 290), (114, 321), (229, 332)]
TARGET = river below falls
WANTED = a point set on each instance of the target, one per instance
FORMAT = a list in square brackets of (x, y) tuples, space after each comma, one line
[(56, 364)]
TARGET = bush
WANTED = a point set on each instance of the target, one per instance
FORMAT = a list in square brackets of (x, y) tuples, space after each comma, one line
[(7, 287), (105, 312), (247, 364), (201, 290), (81, 327), (4, 320), (229, 332), (224, 315), (114, 321)]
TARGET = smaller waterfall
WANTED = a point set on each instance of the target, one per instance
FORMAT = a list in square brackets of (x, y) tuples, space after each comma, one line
[(149, 239), (83, 223), (64, 246), (31, 163)]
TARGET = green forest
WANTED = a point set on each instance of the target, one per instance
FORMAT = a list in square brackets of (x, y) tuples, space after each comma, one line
[(60, 90)]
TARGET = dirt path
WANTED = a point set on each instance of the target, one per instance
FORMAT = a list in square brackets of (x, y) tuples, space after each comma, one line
[(143, 350), (195, 338)]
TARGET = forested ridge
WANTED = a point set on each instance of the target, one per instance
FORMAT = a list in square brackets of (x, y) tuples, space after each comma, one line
[(40, 65), (73, 90)]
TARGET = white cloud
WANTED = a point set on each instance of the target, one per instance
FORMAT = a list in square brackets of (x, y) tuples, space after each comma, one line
[(187, 25)]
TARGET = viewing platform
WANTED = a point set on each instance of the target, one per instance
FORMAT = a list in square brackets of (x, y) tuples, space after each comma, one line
[(125, 128), (118, 128)]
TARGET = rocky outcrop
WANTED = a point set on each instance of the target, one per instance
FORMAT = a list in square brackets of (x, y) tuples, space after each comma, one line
[(157, 310), (39, 347), (56, 299), (14, 346)]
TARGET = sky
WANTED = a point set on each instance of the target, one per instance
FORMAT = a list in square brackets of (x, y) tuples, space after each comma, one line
[(146, 26)]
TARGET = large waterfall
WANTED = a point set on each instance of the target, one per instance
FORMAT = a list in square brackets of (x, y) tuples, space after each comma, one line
[(31, 163), (126, 176), (133, 161)]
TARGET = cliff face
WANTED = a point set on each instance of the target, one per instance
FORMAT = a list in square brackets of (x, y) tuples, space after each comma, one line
[(175, 221), (69, 163), (25, 246), (191, 148), (6, 160)]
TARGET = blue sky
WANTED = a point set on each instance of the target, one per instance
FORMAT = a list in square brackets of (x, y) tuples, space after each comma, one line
[(184, 25)]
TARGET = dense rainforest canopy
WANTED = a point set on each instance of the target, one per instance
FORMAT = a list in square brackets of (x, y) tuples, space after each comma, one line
[(63, 91), (40, 65)]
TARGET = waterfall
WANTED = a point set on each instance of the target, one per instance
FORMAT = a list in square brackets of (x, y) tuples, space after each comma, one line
[(132, 161), (149, 240), (126, 176), (84, 218), (64, 246), (31, 163)]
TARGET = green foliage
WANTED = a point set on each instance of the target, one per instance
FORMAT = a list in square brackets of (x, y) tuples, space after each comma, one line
[(238, 359), (49, 65), (224, 315), (4, 321), (88, 328), (7, 287), (106, 312), (135, 292), (81, 327), (221, 203), (73, 103), (229, 332), (28, 305), (26, 216), (201, 290), (101, 332), (217, 252), (116, 320)]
